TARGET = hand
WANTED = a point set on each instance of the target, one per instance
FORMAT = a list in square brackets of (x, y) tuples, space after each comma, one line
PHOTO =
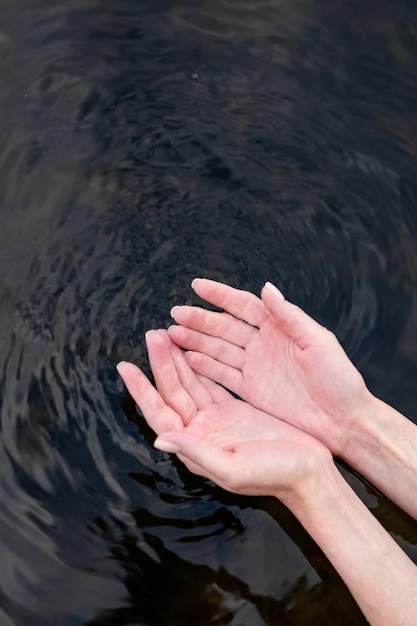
[(274, 356), (241, 448)]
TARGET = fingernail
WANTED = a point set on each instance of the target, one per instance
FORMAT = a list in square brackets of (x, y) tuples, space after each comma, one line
[(149, 332), (193, 282), (119, 364), (166, 446), (275, 292), (172, 311)]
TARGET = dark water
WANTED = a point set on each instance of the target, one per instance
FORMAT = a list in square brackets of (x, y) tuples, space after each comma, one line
[(142, 144)]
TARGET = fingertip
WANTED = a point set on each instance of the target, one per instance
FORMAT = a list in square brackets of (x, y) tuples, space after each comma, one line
[(126, 366), (166, 446), (274, 291), (194, 282), (175, 333), (133, 377), (193, 358), (173, 311), (158, 334)]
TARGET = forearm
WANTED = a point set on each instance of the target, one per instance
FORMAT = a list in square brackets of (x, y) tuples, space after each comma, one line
[(381, 444), (380, 576)]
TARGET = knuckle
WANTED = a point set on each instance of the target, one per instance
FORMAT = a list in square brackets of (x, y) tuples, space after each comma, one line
[(220, 350)]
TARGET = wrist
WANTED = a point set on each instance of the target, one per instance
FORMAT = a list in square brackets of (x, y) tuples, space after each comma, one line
[(336, 427), (356, 545), (381, 444), (356, 426), (373, 429), (319, 470)]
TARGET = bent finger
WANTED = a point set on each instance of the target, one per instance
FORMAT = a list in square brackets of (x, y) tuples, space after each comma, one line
[(215, 324), (229, 377), (158, 415), (166, 376), (189, 379), (291, 319), (217, 348), (241, 304), (218, 393)]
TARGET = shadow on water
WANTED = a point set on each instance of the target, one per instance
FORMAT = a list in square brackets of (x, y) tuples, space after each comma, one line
[(143, 144)]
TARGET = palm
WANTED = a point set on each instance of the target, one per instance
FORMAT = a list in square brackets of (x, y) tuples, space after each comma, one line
[(288, 381), (231, 422), (268, 452), (260, 452), (289, 367)]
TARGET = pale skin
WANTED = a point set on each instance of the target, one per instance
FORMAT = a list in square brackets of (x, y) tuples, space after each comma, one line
[(268, 453), (279, 453), (277, 358)]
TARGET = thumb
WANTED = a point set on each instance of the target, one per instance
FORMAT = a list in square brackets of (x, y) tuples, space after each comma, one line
[(205, 458), (292, 320)]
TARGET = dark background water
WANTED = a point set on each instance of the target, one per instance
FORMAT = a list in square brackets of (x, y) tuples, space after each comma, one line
[(142, 144)]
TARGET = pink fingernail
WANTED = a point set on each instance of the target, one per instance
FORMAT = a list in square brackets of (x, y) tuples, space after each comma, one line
[(119, 364), (166, 446), (193, 282), (275, 292), (172, 311)]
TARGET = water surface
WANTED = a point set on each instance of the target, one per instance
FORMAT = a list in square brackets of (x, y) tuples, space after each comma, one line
[(143, 144)]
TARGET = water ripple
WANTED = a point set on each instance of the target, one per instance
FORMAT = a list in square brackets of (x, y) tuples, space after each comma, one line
[(143, 145)]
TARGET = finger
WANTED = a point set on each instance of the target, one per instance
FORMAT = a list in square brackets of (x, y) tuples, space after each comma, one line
[(215, 347), (241, 304), (291, 319), (158, 415), (203, 390), (205, 458), (229, 377), (214, 324), (189, 379), (218, 393), (166, 377)]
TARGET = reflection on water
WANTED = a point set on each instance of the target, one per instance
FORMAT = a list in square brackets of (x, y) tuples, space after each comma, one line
[(143, 144)]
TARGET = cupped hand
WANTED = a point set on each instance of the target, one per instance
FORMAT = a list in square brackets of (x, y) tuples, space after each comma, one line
[(241, 448), (274, 356)]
